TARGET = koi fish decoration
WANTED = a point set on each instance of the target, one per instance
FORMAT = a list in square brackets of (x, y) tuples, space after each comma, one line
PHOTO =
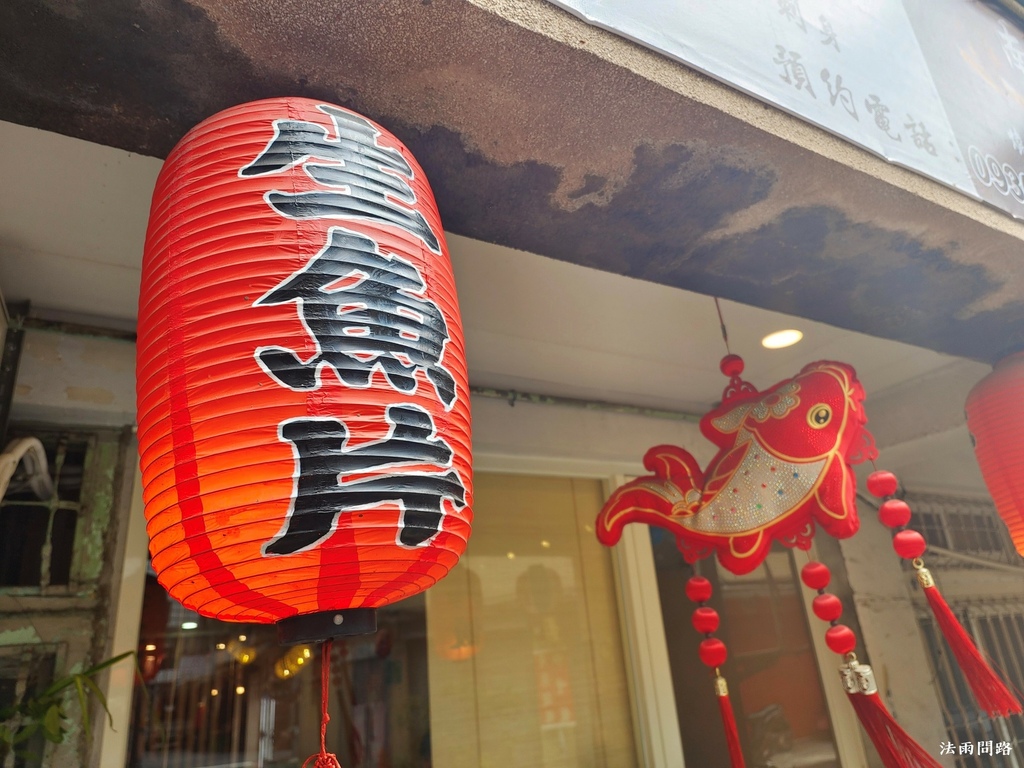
[(783, 467)]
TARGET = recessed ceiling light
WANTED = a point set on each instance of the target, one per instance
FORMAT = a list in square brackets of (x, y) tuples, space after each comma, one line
[(781, 339), (189, 625)]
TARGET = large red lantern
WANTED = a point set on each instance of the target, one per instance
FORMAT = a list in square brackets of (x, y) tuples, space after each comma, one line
[(302, 399), (995, 418)]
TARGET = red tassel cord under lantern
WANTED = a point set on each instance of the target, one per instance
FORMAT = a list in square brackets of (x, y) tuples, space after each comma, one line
[(713, 654), (324, 759), (894, 745), (989, 690)]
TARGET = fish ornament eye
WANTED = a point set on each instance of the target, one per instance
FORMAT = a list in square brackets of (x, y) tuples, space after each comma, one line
[(819, 416)]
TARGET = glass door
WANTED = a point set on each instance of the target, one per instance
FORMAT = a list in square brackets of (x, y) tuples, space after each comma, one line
[(772, 671)]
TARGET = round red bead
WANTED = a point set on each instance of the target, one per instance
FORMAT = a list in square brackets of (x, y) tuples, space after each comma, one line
[(909, 544), (698, 589), (816, 575), (731, 365), (882, 484), (894, 513), (827, 607), (840, 639), (713, 652), (705, 620)]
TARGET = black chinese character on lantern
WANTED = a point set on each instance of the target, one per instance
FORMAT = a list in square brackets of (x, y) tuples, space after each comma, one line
[(321, 494), (366, 311), (364, 180), (379, 318)]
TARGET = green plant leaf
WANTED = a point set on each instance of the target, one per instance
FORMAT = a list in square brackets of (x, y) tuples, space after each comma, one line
[(89, 683), (21, 721), (52, 726), (83, 702)]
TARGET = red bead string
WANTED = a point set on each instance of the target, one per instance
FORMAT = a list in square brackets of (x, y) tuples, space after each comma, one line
[(839, 638), (325, 759), (713, 653), (705, 620), (895, 747), (895, 513)]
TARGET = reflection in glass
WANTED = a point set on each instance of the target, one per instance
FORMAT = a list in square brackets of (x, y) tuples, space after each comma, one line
[(227, 695), (526, 661), (772, 671)]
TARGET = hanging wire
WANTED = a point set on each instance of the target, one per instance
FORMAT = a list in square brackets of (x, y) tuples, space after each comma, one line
[(721, 322)]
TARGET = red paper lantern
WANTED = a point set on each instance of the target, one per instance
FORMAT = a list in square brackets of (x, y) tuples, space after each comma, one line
[(302, 398), (995, 418)]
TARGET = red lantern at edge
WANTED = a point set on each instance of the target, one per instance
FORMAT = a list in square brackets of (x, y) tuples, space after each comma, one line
[(995, 418), (303, 406)]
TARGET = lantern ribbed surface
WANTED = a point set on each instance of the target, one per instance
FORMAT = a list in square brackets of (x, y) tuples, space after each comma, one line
[(303, 405), (995, 418)]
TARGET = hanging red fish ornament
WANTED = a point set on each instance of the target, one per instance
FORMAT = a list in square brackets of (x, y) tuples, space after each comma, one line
[(783, 467), (303, 406)]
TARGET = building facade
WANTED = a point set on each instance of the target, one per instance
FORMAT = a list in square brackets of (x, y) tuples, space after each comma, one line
[(596, 194)]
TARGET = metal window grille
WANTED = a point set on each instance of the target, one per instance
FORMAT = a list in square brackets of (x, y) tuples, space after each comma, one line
[(37, 537), (25, 670), (999, 631), (995, 621), (967, 526)]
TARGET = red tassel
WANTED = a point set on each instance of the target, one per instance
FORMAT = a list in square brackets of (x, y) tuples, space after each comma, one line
[(732, 735), (324, 759), (989, 690), (895, 746), (991, 693)]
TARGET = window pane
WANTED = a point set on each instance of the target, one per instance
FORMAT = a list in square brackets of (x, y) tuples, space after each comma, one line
[(526, 663), (219, 694), (772, 672)]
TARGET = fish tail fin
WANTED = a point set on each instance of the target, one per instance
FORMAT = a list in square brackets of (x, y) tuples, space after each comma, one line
[(670, 462), (673, 492)]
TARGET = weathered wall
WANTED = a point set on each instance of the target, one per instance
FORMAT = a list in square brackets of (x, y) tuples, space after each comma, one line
[(71, 380), (72, 621)]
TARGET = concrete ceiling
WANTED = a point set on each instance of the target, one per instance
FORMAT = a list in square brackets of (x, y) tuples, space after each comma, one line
[(540, 134)]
